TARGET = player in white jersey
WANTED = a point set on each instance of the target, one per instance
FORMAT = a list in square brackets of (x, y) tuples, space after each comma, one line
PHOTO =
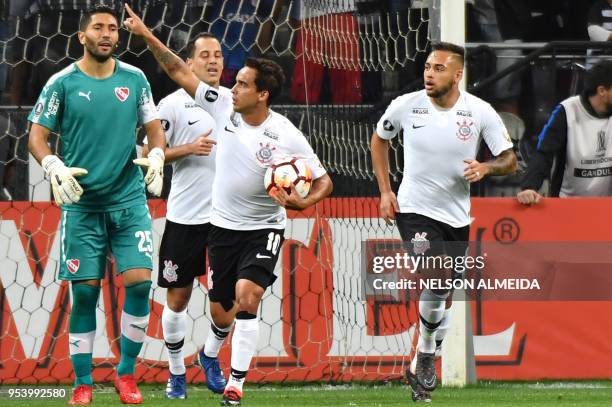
[(182, 255), (247, 224), (442, 128), (578, 135)]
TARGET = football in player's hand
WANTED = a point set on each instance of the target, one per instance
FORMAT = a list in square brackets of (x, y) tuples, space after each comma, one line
[(289, 171)]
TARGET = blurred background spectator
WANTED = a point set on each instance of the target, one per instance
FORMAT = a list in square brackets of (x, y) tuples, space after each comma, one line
[(600, 21), (599, 27), (327, 43)]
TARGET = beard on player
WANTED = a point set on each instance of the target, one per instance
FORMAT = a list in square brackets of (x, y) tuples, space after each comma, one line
[(436, 91), (101, 50)]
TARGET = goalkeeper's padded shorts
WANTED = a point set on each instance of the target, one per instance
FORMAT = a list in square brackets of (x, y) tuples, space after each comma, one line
[(86, 238)]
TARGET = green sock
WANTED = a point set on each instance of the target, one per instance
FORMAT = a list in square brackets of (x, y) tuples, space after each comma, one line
[(134, 323), (82, 331)]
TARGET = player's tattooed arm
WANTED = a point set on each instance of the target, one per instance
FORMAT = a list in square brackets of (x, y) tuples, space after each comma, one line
[(171, 63), (504, 163)]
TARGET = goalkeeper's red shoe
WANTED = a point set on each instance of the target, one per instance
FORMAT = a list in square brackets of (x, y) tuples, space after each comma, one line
[(81, 395), (127, 389)]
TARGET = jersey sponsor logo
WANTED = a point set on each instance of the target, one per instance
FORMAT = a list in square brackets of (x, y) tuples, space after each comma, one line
[(190, 105), (73, 265), (228, 130), (191, 123), (464, 131), (464, 113), (592, 172), (86, 95), (420, 244), (53, 105), (264, 154), (40, 106), (165, 124), (211, 95), (169, 272), (414, 126), (388, 126), (420, 110), (122, 93), (262, 256), (270, 134)]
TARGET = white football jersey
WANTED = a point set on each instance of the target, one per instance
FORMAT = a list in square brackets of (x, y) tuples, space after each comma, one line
[(436, 141), (184, 121), (244, 152)]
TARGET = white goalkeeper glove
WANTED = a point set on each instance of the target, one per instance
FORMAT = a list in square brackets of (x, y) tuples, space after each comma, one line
[(66, 189), (154, 178)]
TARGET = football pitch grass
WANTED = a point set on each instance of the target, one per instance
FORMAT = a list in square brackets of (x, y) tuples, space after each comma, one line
[(495, 394)]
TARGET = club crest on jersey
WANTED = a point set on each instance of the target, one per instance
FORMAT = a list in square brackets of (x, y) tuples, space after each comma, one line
[(73, 265), (122, 93), (264, 155), (464, 132), (420, 244), (169, 272)]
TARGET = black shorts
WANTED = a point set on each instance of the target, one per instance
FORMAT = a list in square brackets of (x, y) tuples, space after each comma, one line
[(420, 232), (182, 254), (235, 255)]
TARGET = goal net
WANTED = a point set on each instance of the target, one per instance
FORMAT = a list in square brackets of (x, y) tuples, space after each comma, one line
[(344, 60)]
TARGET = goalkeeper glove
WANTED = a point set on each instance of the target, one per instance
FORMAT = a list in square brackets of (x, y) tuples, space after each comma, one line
[(154, 178), (66, 189)]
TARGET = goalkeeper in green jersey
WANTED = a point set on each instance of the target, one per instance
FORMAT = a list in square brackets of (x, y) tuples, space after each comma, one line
[(96, 104)]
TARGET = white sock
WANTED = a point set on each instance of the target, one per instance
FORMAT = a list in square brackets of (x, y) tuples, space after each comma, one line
[(444, 324), (244, 343), (173, 325), (431, 311), (215, 339)]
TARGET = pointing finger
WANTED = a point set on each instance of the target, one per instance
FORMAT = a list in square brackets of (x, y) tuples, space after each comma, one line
[(129, 10)]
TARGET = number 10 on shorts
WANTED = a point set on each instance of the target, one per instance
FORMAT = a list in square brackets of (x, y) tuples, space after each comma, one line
[(145, 244), (273, 242)]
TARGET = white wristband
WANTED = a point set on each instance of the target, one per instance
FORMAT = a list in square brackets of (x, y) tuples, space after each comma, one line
[(50, 163), (157, 152)]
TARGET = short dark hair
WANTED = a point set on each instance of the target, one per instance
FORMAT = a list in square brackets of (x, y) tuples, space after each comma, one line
[(600, 74), (97, 9), (449, 47), (270, 76), (190, 49)]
